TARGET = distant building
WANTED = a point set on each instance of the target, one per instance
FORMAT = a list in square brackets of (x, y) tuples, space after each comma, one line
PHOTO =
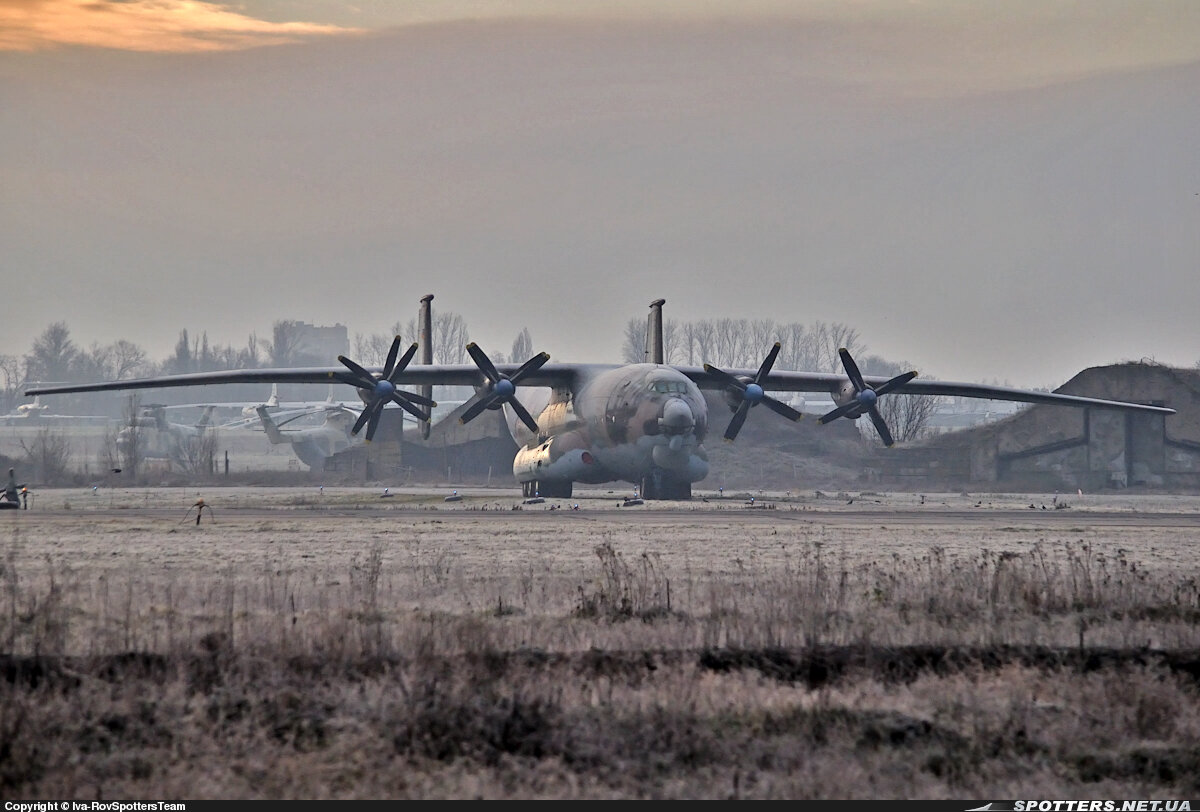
[(321, 345), (1050, 447)]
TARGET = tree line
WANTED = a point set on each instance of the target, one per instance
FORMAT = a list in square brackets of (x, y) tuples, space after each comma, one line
[(726, 342)]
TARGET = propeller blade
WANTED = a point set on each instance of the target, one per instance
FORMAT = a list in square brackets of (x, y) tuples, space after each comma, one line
[(399, 399), (845, 408), (483, 362), (376, 413), (532, 365), (366, 379), (852, 372), (739, 417), (725, 377), (361, 421), (768, 362), (395, 370), (781, 408), (881, 427), (413, 397), (391, 357), (524, 414), (895, 383), (349, 380), (477, 409)]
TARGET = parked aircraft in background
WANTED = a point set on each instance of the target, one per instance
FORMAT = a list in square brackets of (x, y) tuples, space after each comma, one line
[(39, 413), (159, 438), (245, 413), (31, 409), (313, 444), (642, 423)]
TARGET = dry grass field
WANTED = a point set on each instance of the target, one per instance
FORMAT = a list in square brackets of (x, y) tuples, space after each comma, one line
[(343, 643)]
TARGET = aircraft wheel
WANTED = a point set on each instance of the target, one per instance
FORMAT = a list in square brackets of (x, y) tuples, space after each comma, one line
[(554, 489), (658, 484)]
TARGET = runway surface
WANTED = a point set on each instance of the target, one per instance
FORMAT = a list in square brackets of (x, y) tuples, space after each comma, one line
[(502, 506)]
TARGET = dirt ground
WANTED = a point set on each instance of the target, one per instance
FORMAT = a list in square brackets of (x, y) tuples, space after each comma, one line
[(422, 643), (491, 545)]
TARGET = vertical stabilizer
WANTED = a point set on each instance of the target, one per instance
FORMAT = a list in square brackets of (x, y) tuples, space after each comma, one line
[(273, 433), (425, 327), (205, 417), (654, 333)]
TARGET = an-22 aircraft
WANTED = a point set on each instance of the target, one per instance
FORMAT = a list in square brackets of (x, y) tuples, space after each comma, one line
[(592, 423)]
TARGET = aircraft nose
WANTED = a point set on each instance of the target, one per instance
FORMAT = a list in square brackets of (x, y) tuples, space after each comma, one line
[(677, 418)]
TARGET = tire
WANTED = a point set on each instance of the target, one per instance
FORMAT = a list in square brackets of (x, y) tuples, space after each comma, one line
[(554, 489), (658, 484)]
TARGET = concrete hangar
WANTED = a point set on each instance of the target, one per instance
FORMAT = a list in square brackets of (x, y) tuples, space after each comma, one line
[(1056, 448)]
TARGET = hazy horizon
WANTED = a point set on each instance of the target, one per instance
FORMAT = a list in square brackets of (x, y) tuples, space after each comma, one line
[(1008, 192)]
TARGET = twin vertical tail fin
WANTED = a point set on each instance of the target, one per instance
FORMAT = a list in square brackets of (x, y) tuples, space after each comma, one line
[(654, 333), (425, 327)]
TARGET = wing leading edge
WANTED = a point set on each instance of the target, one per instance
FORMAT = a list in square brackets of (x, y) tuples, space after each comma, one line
[(433, 374), (569, 375), (826, 382)]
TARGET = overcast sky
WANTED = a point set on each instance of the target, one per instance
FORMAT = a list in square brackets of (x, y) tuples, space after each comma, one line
[(1003, 190)]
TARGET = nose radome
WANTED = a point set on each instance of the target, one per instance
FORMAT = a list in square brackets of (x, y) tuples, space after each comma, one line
[(677, 417)]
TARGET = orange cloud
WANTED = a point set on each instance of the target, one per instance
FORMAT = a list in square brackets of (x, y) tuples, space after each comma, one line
[(169, 26)]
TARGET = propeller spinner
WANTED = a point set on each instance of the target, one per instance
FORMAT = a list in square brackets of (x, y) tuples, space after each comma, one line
[(751, 393), (865, 398), (501, 388), (381, 390)]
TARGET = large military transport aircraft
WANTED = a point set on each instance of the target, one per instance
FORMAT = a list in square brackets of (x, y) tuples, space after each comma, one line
[(592, 423)]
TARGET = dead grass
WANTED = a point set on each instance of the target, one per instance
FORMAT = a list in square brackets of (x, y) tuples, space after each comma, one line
[(407, 658)]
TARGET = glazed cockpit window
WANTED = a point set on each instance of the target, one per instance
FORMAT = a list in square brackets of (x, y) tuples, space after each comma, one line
[(668, 387)]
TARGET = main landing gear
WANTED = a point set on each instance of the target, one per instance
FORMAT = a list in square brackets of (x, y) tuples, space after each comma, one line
[(659, 484), (547, 488)]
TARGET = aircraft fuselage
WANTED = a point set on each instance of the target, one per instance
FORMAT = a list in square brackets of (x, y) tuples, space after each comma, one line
[(642, 423)]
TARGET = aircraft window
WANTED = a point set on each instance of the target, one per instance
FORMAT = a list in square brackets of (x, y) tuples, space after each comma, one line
[(668, 387)]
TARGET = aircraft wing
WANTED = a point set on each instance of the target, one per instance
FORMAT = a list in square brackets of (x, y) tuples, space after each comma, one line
[(783, 381), (432, 374), (564, 374)]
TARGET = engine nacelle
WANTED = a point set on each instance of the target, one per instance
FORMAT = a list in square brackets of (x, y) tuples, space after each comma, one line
[(559, 458), (844, 393), (734, 398)]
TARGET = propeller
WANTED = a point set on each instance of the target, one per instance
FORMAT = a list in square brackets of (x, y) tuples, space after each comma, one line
[(501, 388), (382, 390), (751, 393), (865, 398)]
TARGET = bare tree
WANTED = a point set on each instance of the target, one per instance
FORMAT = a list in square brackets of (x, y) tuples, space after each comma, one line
[(793, 340), (371, 350), (128, 442), (12, 377), (181, 361), (282, 349), (450, 337), (248, 358), (633, 349), (732, 342), (48, 455), (522, 347), (196, 453), (704, 336), (128, 360), (53, 355), (907, 417), (828, 339), (673, 350), (763, 334)]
